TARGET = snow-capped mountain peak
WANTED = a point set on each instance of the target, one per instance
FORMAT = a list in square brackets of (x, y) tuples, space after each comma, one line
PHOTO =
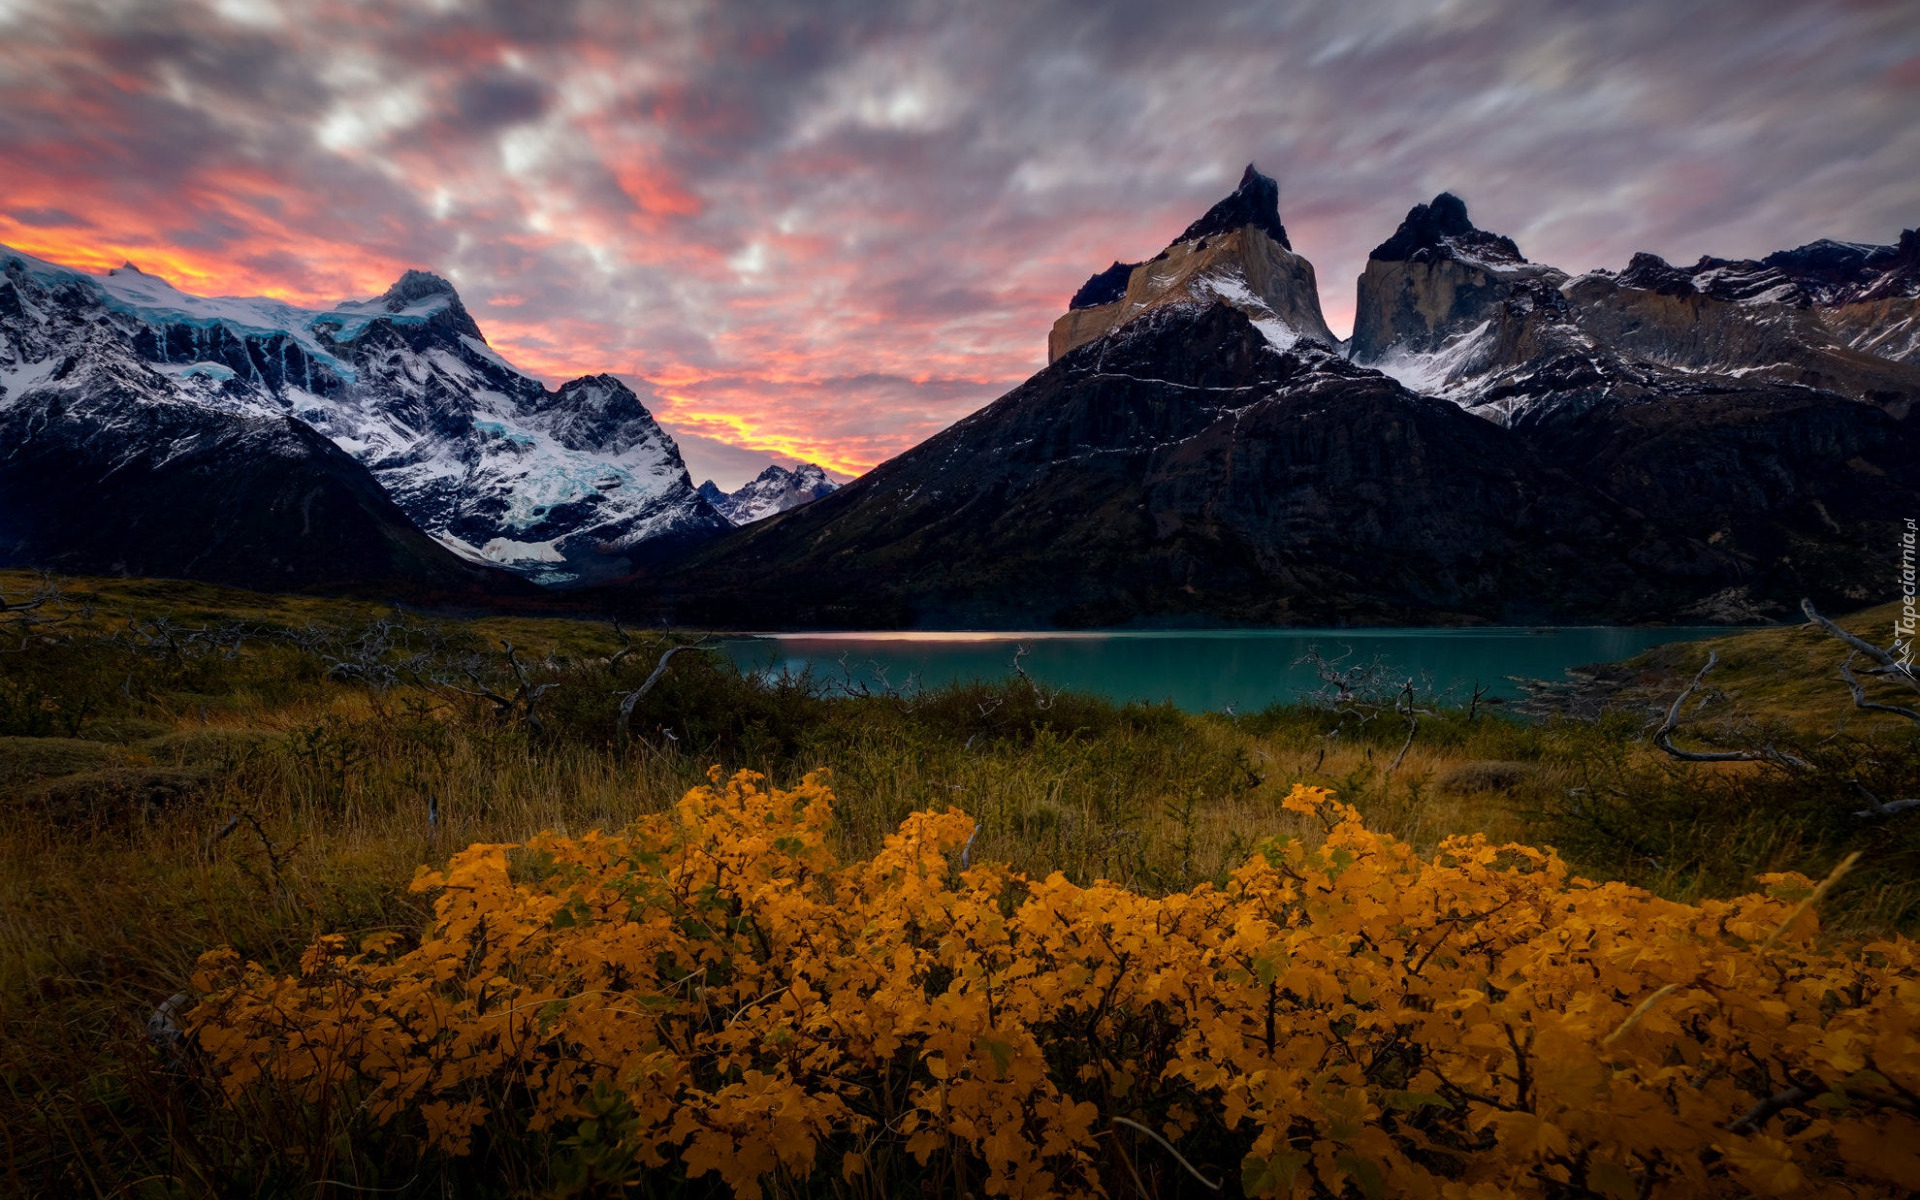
[(563, 486), (774, 490)]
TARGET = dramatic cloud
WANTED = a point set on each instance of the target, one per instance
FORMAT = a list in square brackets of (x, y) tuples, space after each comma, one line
[(826, 230)]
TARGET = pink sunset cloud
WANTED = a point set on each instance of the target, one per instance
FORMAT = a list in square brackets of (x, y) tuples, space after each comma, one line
[(820, 233)]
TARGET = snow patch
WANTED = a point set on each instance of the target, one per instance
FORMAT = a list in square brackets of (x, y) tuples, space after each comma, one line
[(1436, 373), (505, 550)]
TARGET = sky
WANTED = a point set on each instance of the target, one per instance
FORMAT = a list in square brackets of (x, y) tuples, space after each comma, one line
[(824, 230)]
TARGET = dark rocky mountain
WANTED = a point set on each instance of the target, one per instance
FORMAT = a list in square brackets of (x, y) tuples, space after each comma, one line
[(774, 490), (1520, 455), (1254, 204), (1184, 468), (558, 485), (1104, 287)]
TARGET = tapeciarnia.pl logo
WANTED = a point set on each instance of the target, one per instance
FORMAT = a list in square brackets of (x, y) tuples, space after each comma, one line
[(1904, 624)]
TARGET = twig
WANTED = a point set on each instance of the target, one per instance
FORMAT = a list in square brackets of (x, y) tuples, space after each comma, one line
[(1168, 1146), (1764, 1110), (1813, 898)]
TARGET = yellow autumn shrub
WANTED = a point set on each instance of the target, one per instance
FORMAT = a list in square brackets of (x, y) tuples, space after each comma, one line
[(1345, 1019)]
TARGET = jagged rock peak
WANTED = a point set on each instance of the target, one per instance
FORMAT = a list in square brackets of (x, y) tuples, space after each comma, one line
[(1255, 202), (1650, 272), (1834, 270), (1103, 287), (597, 383), (1443, 230), (414, 287)]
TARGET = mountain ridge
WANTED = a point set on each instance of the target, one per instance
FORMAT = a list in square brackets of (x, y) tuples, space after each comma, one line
[(1495, 444)]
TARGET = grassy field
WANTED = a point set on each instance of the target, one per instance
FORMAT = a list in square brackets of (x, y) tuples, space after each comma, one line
[(184, 767)]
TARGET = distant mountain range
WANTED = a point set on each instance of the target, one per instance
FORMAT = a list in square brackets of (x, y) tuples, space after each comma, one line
[(149, 431), (1499, 441), (774, 490)]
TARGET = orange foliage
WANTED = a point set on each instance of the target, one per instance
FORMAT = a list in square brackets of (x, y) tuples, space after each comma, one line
[(1347, 1019)]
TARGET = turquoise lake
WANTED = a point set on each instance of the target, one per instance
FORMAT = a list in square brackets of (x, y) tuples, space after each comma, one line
[(1203, 670)]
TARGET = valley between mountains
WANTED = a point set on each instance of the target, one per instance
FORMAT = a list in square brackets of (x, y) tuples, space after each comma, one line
[(1500, 441)]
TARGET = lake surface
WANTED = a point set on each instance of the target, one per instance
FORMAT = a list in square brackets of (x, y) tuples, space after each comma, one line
[(1204, 670)]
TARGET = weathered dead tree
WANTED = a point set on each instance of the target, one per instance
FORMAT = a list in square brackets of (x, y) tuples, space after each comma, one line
[(1042, 698), (518, 707), (623, 723), (1663, 736), (1886, 667), (33, 617)]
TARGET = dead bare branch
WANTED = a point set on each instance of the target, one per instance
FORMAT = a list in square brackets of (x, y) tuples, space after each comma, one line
[(1889, 668), (1876, 807), (628, 701), (1041, 697), (1663, 737), (626, 648), (1860, 700)]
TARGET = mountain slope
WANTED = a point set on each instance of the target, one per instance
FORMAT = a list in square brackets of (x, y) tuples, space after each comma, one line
[(1186, 469), (560, 486)]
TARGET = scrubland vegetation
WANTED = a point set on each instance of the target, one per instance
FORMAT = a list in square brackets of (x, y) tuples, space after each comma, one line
[(1151, 957)]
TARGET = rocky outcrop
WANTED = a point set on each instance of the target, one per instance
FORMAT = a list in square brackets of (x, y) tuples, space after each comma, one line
[(1436, 277), (1657, 315), (1237, 253)]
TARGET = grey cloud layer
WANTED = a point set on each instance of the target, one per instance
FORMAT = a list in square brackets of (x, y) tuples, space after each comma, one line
[(812, 190)]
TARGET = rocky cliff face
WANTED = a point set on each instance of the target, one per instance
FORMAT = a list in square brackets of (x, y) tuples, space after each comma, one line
[(1237, 253), (1436, 276), (559, 486)]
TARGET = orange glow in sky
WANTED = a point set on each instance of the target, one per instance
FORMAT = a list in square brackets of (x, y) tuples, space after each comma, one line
[(826, 232)]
